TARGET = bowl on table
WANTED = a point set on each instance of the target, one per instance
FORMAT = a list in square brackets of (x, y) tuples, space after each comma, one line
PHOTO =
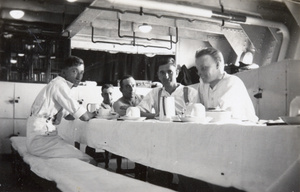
[(218, 115)]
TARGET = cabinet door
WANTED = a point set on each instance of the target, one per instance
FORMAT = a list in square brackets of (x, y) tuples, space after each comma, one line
[(20, 127), (293, 78), (250, 79), (6, 130), (26, 94), (6, 99), (272, 81)]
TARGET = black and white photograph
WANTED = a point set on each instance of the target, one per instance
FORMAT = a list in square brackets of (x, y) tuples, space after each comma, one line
[(150, 95)]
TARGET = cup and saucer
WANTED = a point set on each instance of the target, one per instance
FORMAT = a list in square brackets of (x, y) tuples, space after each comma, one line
[(132, 114), (194, 113)]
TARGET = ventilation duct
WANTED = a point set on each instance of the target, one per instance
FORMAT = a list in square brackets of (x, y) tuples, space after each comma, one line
[(200, 12)]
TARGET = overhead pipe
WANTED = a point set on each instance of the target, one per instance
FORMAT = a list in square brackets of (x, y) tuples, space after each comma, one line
[(148, 39), (141, 12), (133, 43), (282, 29), (200, 12)]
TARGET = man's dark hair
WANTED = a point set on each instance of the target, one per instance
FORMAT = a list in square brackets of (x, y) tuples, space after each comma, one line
[(123, 78), (73, 61), (106, 86), (166, 60)]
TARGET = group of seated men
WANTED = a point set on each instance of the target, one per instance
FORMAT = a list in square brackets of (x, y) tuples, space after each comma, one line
[(216, 89)]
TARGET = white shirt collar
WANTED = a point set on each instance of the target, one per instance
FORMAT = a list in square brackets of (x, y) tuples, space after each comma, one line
[(68, 82)]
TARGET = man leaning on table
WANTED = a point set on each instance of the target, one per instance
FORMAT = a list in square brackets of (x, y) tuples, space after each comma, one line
[(129, 97), (167, 74), (53, 103), (217, 89), (220, 90)]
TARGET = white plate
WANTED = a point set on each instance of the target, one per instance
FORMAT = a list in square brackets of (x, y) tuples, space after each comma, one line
[(132, 118), (195, 119), (291, 120), (174, 118)]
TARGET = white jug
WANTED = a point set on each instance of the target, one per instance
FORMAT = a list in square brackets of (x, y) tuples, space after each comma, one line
[(166, 108), (103, 112), (92, 107)]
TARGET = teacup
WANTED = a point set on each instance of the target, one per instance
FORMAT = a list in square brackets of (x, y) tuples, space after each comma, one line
[(195, 110), (133, 112), (92, 107), (104, 112)]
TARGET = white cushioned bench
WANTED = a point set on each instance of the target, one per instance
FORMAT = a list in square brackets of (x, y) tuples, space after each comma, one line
[(71, 174)]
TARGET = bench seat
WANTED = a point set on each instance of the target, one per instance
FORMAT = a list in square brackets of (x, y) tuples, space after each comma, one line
[(71, 174)]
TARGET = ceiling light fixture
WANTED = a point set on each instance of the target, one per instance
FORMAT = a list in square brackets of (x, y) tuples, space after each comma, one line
[(150, 54), (16, 14), (13, 60), (247, 57), (71, 1), (145, 28)]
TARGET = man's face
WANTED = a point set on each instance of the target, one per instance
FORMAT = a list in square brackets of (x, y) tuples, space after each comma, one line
[(129, 87), (74, 74), (207, 68), (107, 95), (167, 74)]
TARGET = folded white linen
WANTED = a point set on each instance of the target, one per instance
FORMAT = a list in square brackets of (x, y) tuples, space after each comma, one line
[(71, 174), (76, 175), (19, 144)]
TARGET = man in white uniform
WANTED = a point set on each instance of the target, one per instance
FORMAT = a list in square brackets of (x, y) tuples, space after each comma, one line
[(53, 103), (167, 74), (217, 89)]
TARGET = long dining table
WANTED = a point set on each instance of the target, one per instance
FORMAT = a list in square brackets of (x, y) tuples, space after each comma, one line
[(246, 156)]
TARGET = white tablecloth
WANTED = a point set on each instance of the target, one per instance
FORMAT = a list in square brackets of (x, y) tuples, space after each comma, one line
[(248, 157)]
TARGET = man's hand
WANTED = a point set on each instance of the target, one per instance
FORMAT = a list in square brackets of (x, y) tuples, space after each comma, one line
[(87, 116)]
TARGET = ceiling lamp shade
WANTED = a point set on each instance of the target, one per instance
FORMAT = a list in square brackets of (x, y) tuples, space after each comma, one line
[(16, 14), (247, 57), (145, 28), (13, 60)]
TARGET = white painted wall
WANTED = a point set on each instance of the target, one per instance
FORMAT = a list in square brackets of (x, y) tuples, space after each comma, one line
[(279, 83), (186, 49)]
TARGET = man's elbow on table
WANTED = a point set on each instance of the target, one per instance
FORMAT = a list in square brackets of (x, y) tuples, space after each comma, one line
[(87, 116), (146, 113)]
